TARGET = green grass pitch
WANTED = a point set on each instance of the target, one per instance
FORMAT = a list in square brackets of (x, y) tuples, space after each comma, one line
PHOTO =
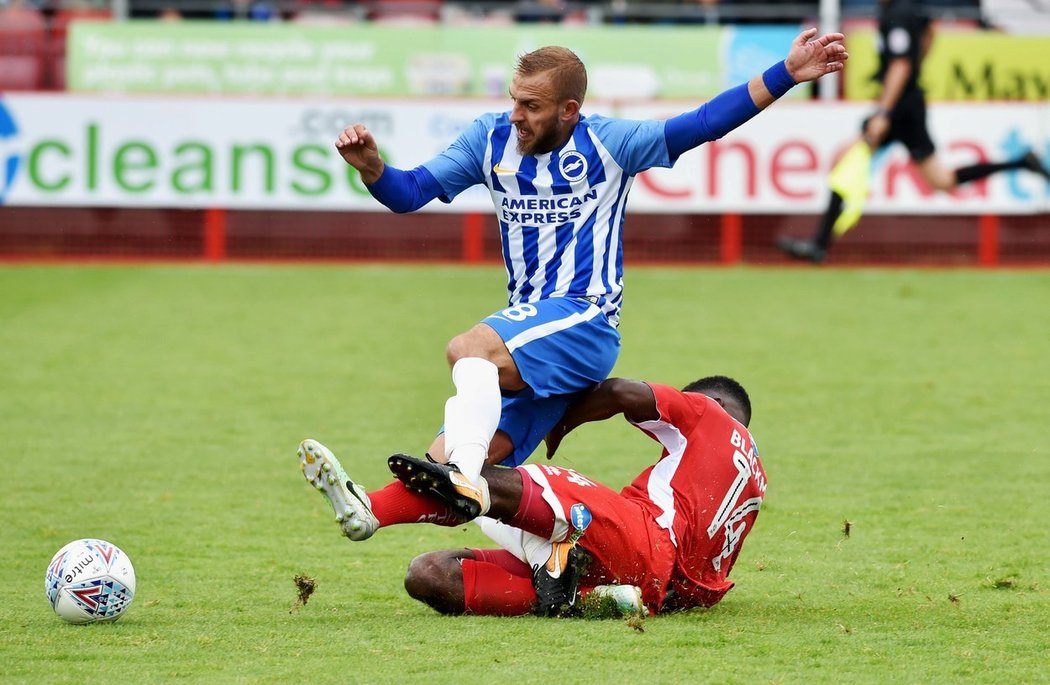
[(160, 407)]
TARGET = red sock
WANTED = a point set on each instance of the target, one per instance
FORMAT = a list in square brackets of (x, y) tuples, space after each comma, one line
[(397, 504), (489, 590), (534, 515), (505, 560)]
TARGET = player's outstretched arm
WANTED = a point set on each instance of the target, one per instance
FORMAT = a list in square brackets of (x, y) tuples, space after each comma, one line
[(401, 191), (809, 59), (633, 399)]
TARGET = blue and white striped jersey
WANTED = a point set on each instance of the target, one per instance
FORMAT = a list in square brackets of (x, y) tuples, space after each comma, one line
[(561, 213)]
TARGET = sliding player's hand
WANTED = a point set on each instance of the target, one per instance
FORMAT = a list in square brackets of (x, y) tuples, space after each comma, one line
[(810, 58), (553, 439)]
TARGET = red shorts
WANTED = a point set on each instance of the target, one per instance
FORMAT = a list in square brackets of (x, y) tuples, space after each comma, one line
[(628, 547)]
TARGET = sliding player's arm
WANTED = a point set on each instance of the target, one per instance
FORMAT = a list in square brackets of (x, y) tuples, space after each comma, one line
[(634, 399)]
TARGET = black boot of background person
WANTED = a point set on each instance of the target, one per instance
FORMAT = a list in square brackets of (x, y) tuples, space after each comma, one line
[(815, 250)]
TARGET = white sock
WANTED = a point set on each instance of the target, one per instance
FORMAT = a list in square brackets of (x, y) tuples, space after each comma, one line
[(472, 414), (507, 537), (530, 548), (537, 550)]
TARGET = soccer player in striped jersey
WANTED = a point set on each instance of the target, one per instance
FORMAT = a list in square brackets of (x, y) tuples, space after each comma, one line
[(674, 533), (559, 182)]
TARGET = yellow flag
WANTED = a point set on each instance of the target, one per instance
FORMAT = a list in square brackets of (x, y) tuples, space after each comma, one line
[(851, 179)]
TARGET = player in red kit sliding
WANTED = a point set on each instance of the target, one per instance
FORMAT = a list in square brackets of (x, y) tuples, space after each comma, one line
[(674, 532)]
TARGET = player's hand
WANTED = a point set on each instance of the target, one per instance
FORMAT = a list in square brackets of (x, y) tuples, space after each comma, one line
[(553, 439), (358, 148), (810, 58)]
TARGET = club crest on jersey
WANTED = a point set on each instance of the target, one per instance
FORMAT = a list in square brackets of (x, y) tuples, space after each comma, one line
[(572, 165)]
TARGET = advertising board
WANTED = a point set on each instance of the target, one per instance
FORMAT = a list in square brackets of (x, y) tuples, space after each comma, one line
[(266, 153)]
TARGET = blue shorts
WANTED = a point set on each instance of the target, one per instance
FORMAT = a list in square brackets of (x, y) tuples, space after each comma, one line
[(561, 346)]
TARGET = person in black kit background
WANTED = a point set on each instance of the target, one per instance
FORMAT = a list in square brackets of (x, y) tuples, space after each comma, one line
[(904, 38)]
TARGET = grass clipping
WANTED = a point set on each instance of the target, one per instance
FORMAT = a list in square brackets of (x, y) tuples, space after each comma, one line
[(305, 585)]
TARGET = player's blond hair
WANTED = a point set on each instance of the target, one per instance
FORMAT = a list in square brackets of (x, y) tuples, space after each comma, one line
[(567, 72)]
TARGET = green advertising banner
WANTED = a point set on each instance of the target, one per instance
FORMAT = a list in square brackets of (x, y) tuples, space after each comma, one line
[(962, 66), (379, 60), (371, 59)]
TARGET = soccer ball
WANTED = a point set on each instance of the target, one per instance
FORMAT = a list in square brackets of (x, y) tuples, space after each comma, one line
[(90, 580)]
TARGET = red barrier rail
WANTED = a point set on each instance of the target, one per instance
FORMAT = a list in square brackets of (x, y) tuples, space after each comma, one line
[(216, 234)]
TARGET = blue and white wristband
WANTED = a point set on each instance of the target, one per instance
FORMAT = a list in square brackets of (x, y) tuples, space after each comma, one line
[(777, 79)]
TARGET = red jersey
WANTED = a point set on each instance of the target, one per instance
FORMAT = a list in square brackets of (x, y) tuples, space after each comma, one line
[(706, 491)]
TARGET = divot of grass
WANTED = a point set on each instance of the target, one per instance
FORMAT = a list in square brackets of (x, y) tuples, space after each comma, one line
[(595, 608), (305, 586), (1006, 583)]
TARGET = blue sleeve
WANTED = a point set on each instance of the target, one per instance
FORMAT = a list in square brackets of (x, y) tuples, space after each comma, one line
[(710, 121), (460, 166), (457, 168), (405, 191), (635, 145)]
